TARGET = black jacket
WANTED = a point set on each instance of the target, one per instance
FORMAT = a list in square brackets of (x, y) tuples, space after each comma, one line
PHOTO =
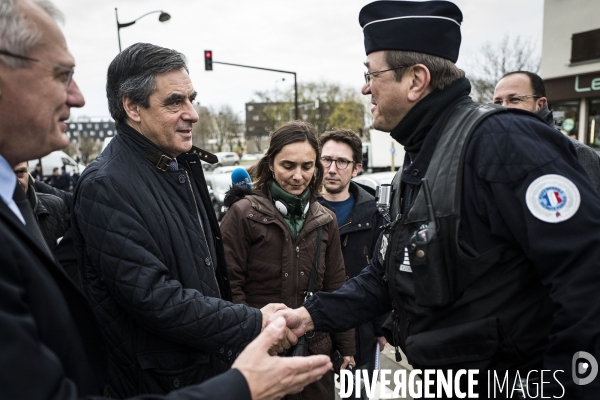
[(52, 215), (358, 236), (64, 252), (51, 345), (157, 284)]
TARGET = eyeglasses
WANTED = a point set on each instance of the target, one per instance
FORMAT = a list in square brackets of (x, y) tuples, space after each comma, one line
[(515, 100), (370, 75), (66, 77), (340, 163)]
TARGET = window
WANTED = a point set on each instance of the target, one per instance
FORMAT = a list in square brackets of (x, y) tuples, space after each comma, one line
[(594, 123), (585, 46), (566, 116), (66, 161)]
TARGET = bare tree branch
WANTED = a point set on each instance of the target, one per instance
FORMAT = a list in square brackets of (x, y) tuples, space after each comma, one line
[(495, 60)]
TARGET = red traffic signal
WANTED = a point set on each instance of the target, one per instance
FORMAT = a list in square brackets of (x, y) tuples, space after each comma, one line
[(208, 61)]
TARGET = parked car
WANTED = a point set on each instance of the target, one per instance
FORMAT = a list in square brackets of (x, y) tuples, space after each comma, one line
[(219, 184), (56, 159), (252, 156), (225, 170), (225, 158), (376, 179)]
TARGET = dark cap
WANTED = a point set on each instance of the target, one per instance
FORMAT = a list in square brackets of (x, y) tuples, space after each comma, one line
[(429, 27)]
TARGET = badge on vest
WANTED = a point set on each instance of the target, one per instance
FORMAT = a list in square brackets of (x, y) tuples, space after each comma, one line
[(552, 198), (383, 248), (405, 266)]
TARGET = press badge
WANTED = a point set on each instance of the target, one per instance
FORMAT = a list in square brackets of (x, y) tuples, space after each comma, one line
[(552, 198)]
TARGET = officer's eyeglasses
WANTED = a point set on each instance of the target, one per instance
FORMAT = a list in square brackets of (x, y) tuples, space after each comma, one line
[(371, 75), (66, 76), (340, 163), (515, 100)]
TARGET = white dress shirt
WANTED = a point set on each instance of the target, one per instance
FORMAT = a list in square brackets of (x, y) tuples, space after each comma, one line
[(8, 181)]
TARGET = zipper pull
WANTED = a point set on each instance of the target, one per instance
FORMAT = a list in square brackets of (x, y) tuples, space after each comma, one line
[(398, 356), (297, 251)]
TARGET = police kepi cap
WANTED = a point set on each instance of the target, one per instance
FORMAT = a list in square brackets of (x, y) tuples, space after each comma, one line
[(429, 27)]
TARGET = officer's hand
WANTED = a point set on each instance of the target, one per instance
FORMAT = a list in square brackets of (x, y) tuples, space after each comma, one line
[(271, 378), (298, 320)]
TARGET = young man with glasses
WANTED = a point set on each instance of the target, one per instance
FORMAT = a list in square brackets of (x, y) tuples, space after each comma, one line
[(359, 223), (526, 90)]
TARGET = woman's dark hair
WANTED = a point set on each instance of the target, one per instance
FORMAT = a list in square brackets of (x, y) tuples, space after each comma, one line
[(292, 132)]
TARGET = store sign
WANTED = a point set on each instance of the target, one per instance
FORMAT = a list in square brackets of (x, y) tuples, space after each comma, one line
[(594, 85)]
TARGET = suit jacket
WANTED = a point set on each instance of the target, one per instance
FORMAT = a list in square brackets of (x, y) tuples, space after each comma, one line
[(50, 343)]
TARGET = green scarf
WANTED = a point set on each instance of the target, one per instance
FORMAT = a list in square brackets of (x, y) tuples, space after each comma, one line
[(295, 205)]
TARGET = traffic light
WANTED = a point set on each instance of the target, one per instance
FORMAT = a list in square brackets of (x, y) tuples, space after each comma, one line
[(208, 60)]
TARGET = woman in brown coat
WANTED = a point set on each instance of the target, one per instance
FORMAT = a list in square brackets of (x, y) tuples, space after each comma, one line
[(270, 239)]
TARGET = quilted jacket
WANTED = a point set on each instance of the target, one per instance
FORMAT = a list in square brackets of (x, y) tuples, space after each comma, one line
[(158, 291), (267, 266)]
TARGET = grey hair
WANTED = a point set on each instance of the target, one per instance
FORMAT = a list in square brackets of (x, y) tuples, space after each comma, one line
[(443, 72), (19, 35), (132, 75)]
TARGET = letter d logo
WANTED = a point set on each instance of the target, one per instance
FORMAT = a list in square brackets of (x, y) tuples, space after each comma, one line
[(583, 367)]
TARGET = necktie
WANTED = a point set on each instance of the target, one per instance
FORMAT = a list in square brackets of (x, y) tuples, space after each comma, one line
[(173, 166), (31, 224)]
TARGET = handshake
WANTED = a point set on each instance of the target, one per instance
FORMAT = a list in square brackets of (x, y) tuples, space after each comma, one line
[(269, 377), (297, 321)]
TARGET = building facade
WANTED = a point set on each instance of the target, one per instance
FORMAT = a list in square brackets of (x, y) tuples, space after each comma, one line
[(571, 66)]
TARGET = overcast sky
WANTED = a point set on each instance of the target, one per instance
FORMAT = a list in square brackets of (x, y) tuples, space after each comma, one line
[(318, 39)]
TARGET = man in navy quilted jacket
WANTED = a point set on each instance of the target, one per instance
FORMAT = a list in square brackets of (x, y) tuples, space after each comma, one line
[(149, 245)]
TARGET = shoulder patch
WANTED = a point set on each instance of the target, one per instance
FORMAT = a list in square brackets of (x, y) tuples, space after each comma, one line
[(552, 198)]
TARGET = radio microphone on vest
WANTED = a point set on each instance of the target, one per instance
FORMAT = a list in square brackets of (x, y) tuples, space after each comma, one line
[(241, 179)]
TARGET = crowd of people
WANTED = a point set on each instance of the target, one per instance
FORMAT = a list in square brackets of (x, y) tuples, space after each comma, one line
[(485, 256)]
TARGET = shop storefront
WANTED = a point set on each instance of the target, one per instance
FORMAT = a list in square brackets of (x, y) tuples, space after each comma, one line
[(575, 101)]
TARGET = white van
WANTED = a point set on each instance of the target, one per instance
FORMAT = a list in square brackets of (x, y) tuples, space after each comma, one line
[(56, 159)]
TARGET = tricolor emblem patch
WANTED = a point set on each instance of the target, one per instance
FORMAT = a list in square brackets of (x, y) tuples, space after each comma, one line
[(552, 198)]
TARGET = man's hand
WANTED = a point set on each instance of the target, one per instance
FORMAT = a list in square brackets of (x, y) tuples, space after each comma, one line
[(271, 378), (348, 360), (298, 320), (269, 310), (289, 338), (382, 342)]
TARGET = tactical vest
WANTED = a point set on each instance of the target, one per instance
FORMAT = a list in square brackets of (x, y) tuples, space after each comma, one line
[(455, 309)]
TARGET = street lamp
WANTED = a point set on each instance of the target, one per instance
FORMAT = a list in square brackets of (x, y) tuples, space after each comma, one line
[(162, 18)]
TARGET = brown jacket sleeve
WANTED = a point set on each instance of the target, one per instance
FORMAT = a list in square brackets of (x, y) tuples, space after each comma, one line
[(233, 230), (334, 278)]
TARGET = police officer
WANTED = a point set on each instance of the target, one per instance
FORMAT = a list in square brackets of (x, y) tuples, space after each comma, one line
[(492, 261)]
